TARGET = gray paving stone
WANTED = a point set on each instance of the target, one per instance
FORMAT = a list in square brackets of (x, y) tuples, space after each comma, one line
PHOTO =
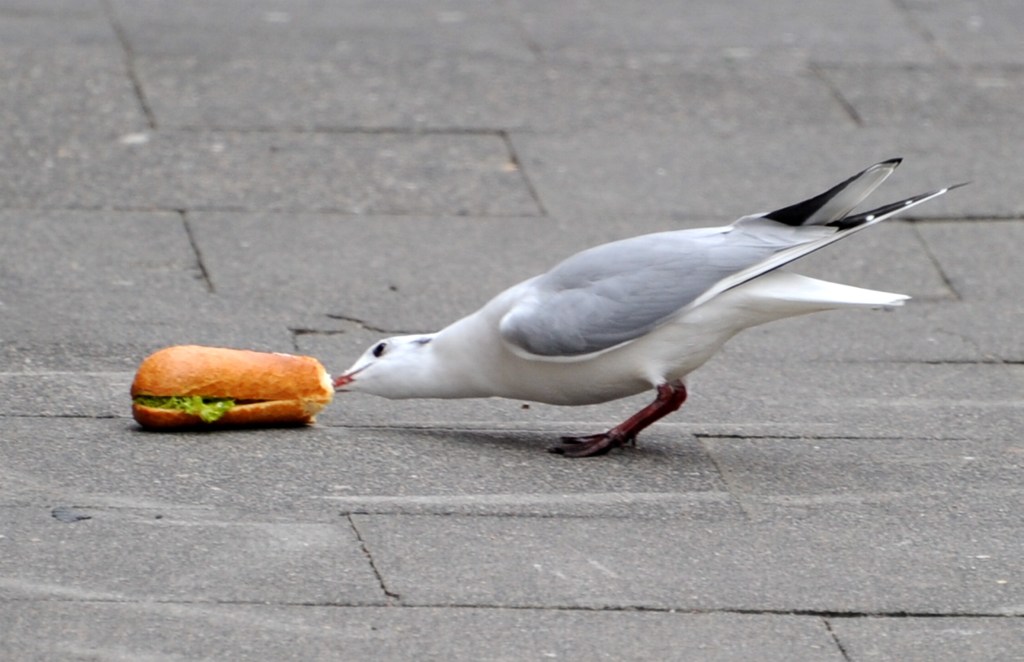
[(100, 290), (123, 555), (921, 332), (906, 400), (109, 463), (65, 394), (994, 326), (696, 171), (938, 639), (373, 90), (875, 31), (931, 96), (56, 25), (71, 342), (868, 564), (65, 92), (113, 328), (66, 251), (256, 632), (929, 332), (411, 273), (976, 481), (979, 258), (318, 30), (987, 31), (355, 173)]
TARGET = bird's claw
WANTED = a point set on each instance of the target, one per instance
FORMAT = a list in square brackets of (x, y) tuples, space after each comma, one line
[(592, 445)]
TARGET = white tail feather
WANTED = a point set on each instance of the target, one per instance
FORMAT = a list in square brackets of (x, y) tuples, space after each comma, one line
[(789, 291), (786, 256)]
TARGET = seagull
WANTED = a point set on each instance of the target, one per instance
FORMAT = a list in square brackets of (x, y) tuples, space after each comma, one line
[(631, 315)]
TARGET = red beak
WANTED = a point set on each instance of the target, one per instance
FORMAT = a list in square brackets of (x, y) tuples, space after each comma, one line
[(346, 379)]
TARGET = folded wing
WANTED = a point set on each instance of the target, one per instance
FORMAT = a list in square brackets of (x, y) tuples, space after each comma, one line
[(612, 294)]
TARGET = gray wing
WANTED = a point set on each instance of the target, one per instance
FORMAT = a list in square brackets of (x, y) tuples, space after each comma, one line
[(617, 292)]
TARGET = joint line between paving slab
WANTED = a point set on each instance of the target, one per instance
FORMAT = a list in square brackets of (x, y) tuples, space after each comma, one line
[(742, 611), (736, 496), (129, 61), (837, 95), (684, 611), (369, 557), (89, 417), (936, 263), (523, 31), (412, 212), (344, 130), (922, 31), (513, 504), (415, 212), (530, 188), (203, 271), (966, 339)]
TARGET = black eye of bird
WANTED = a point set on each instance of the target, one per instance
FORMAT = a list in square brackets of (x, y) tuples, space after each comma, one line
[(379, 349)]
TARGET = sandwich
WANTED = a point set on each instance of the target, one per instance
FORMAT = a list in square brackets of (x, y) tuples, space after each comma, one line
[(189, 386)]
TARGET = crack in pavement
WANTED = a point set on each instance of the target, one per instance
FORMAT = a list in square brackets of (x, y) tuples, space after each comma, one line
[(129, 62), (204, 273), (373, 564), (835, 639), (366, 325)]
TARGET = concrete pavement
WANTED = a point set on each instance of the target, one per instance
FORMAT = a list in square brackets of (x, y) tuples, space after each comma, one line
[(306, 176)]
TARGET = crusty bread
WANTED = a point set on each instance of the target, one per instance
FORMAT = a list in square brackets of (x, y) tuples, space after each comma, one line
[(270, 389)]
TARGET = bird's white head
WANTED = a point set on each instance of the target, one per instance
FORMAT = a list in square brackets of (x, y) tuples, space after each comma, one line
[(398, 367)]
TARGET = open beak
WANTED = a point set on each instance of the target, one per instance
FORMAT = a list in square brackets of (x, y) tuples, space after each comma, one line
[(344, 380)]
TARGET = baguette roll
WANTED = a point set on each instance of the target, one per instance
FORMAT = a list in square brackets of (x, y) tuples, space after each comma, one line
[(190, 386)]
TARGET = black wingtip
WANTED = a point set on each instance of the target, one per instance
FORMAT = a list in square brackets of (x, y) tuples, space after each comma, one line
[(885, 210), (798, 213)]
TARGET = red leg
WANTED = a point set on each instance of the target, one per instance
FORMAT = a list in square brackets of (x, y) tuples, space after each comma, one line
[(671, 397)]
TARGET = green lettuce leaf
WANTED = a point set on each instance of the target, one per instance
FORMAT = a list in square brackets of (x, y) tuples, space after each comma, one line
[(208, 409)]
